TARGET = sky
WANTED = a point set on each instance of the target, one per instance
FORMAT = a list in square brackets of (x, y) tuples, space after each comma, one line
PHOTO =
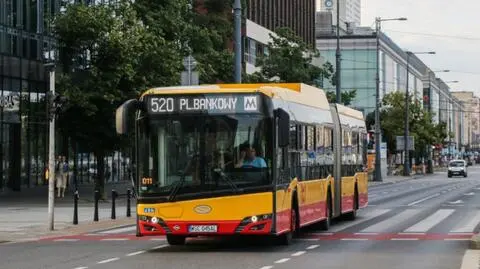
[(450, 28)]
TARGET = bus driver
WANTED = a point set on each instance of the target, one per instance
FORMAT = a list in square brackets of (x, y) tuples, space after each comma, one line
[(248, 158)]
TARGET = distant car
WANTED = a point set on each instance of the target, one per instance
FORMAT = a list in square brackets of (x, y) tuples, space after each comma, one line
[(457, 168)]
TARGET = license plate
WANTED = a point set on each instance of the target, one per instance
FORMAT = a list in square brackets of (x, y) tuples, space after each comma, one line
[(202, 228)]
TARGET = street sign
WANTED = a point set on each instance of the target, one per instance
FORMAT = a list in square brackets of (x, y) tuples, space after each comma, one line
[(189, 78), (328, 4), (401, 145)]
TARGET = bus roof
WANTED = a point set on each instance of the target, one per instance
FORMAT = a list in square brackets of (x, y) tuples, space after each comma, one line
[(290, 92)]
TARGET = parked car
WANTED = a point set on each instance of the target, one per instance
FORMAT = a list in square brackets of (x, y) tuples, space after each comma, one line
[(457, 168)]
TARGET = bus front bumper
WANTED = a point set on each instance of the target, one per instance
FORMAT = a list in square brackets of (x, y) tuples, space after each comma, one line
[(253, 225)]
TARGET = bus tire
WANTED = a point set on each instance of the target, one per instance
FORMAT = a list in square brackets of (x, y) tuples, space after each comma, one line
[(176, 240), (286, 238), (353, 215), (325, 224)]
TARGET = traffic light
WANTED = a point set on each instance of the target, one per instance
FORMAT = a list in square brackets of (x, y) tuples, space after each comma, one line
[(55, 104)]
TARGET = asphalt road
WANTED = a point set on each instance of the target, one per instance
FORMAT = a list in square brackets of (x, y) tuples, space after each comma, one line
[(423, 223)]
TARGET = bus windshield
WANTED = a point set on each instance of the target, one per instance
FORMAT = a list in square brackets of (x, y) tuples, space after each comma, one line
[(189, 155)]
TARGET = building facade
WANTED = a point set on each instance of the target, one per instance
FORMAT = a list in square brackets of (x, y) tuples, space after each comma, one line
[(359, 66), (471, 109), (24, 37), (350, 11), (299, 15)]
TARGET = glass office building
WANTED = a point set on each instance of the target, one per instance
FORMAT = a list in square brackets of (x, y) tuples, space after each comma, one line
[(359, 66), (24, 28)]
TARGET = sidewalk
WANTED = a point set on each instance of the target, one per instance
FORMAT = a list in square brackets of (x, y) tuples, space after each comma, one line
[(24, 215)]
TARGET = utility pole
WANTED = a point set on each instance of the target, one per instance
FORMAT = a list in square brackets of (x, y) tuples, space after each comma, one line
[(237, 7), (406, 144), (51, 150), (378, 172), (338, 58), (406, 148)]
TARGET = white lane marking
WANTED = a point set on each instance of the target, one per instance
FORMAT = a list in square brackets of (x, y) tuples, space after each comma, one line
[(456, 239), (159, 247), (453, 233), (82, 267), (120, 230), (267, 267), (282, 260), (424, 199), (404, 239), (431, 221), (470, 259), (469, 194), (109, 260), (312, 247), (472, 220), (298, 253), (368, 216), (321, 234), (114, 239), (354, 239), (136, 253), (392, 221), (66, 240), (456, 202), (365, 233)]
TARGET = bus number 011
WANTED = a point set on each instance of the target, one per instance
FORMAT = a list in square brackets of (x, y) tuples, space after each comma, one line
[(162, 104), (147, 181)]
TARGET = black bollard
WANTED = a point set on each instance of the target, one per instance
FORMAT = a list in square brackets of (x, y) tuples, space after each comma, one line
[(114, 195), (128, 203), (97, 197), (75, 207)]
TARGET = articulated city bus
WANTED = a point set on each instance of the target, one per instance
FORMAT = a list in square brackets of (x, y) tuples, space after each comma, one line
[(244, 159)]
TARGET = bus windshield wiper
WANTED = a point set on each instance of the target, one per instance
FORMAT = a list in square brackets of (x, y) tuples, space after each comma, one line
[(227, 179), (177, 187)]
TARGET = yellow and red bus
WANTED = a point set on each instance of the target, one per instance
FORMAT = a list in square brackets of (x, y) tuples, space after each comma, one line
[(244, 159)]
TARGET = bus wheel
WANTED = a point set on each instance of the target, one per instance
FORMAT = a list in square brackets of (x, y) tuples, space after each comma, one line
[(325, 224), (176, 240), (286, 238), (352, 215)]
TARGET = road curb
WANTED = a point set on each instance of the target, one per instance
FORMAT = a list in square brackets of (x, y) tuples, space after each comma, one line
[(475, 242)]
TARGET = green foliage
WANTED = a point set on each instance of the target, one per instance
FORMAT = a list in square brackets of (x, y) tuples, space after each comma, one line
[(421, 124), (211, 35), (289, 60), (347, 97), (124, 57)]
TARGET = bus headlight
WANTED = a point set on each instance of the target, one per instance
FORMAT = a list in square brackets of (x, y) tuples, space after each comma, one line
[(254, 219), (154, 220)]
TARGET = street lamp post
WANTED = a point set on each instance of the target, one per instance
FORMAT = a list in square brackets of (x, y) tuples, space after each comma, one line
[(378, 172), (237, 8), (406, 148), (338, 55)]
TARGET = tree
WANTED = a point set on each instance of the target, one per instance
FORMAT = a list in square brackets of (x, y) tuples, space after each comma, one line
[(211, 38), (289, 60), (107, 56), (204, 29), (421, 125), (347, 97)]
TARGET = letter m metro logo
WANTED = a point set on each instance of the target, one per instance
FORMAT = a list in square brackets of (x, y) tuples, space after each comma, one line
[(250, 103)]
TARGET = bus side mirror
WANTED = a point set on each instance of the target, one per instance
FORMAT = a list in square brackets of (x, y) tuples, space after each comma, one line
[(122, 113), (283, 127)]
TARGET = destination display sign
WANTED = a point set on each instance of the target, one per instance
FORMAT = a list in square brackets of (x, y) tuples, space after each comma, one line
[(207, 104)]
